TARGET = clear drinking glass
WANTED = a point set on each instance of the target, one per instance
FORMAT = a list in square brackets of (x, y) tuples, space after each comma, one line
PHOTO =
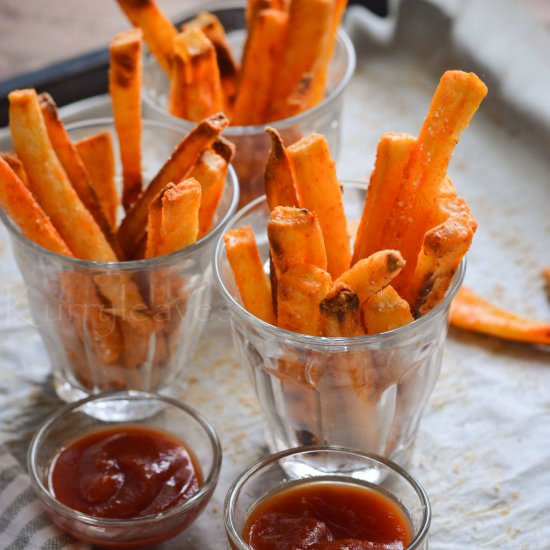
[(252, 143), (331, 464), (364, 392), (96, 344), (160, 413)]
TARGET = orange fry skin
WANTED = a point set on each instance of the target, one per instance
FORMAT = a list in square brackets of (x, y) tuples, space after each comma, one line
[(71, 162), (174, 218), (17, 166), (340, 312), (98, 155), (260, 68), (280, 187), (21, 206), (50, 185), (195, 88), (309, 27), (300, 290), (210, 172), (321, 68), (319, 190), (471, 312), (384, 311), (392, 156), (210, 25), (455, 101), (132, 230), (442, 251), (125, 75), (295, 238), (370, 275), (158, 31), (253, 284)]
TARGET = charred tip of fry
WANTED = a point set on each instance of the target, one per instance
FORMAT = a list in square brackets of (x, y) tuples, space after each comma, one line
[(47, 103), (217, 121), (225, 148), (138, 4), (277, 144), (394, 261), (340, 301)]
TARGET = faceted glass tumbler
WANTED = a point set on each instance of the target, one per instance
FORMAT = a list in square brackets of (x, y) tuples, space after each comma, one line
[(253, 144), (366, 392), (96, 337)]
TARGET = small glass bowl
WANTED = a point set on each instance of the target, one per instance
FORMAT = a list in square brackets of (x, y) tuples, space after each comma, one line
[(163, 413), (253, 144), (332, 464)]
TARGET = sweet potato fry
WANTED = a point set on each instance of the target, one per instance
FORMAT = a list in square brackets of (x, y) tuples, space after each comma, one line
[(126, 301), (252, 282), (158, 31), (300, 290), (50, 184), (210, 172), (384, 311), (471, 312), (280, 187), (443, 248), (98, 155), (392, 156), (253, 7), (23, 209), (173, 218), (370, 275), (455, 101), (195, 85), (210, 25), (340, 312), (17, 166), (321, 67), (71, 162), (97, 328), (318, 190), (309, 28), (295, 238), (125, 74), (261, 68), (132, 230)]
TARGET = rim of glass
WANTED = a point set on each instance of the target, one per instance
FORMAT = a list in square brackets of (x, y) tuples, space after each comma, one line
[(231, 179), (342, 38), (244, 477), (324, 341), (208, 486)]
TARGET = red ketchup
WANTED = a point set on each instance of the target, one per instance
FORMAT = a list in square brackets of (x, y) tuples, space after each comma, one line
[(124, 472), (328, 516)]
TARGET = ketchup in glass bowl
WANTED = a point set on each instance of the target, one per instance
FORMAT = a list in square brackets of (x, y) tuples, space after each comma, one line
[(326, 498), (125, 485)]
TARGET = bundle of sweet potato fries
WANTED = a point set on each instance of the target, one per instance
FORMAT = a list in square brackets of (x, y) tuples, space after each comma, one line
[(63, 196), (412, 236), (285, 61)]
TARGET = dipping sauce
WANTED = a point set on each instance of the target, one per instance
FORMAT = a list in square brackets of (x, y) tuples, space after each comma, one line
[(124, 472), (326, 515)]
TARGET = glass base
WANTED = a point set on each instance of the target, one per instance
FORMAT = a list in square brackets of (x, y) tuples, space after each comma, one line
[(115, 411), (298, 468)]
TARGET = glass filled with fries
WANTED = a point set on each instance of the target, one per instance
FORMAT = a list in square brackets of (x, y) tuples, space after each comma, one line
[(264, 65), (366, 392), (111, 324)]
